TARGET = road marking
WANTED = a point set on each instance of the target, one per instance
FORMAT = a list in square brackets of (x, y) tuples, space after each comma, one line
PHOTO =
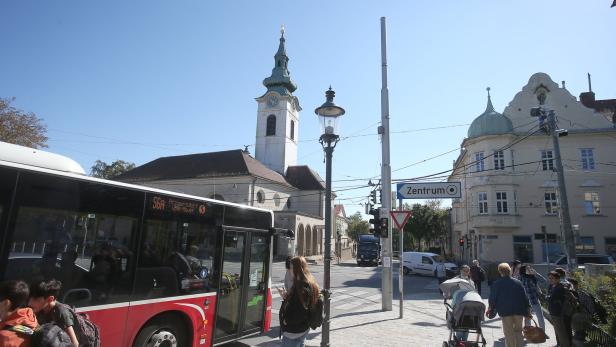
[(359, 302)]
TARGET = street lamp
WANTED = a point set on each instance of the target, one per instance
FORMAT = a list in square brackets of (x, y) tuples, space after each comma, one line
[(328, 114)]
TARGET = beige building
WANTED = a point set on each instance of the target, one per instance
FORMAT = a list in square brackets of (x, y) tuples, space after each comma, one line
[(509, 186)]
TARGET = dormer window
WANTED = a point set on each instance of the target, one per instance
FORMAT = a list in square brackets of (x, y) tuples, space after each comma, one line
[(271, 125)]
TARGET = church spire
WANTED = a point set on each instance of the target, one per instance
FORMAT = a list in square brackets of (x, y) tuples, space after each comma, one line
[(489, 107), (280, 80)]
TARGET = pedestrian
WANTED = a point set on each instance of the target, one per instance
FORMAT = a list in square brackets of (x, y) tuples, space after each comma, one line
[(441, 274), (44, 303), (556, 300), (515, 269), (17, 321), (509, 300), (295, 313), (478, 275), (465, 274), (288, 278), (529, 279)]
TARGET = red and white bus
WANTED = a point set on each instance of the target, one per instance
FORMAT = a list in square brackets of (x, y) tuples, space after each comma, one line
[(150, 267)]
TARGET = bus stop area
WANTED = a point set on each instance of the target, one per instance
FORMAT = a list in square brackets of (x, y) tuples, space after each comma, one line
[(423, 325)]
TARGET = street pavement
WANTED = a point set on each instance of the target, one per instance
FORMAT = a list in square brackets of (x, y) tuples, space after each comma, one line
[(357, 318)]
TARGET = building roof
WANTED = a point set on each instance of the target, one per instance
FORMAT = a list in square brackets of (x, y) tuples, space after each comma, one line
[(304, 178), (202, 165), (490, 122)]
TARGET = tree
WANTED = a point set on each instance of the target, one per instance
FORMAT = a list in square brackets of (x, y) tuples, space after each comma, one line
[(101, 169), (21, 128), (357, 226)]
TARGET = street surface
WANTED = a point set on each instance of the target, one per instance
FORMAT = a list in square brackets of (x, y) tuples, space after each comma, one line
[(357, 318)]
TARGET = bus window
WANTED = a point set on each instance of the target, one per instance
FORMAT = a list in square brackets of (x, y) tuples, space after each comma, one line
[(81, 233), (178, 247)]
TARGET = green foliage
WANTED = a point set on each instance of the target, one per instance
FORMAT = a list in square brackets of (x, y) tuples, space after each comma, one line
[(357, 226), (604, 289), (427, 224), (101, 169), (21, 128)]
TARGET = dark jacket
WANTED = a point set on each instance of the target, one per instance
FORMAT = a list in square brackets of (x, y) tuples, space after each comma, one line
[(295, 317), (508, 298), (477, 273), (556, 300)]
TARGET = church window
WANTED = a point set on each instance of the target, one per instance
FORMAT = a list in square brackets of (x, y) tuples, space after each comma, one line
[(260, 197), (289, 202), (292, 130), (276, 199), (271, 125)]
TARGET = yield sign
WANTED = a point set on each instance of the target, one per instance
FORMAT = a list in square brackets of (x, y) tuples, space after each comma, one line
[(400, 218)]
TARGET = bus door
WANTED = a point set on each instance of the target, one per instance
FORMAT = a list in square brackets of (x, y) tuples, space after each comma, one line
[(243, 283)]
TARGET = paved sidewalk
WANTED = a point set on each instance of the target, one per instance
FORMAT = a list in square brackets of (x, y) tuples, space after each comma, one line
[(423, 325)]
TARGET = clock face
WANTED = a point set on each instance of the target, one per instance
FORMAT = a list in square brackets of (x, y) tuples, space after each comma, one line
[(272, 101)]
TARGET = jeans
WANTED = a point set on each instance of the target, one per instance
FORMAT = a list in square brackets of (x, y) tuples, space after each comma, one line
[(539, 313), (298, 342), (563, 336)]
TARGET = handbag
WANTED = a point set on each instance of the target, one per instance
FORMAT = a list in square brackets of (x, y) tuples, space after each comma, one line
[(534, 334)]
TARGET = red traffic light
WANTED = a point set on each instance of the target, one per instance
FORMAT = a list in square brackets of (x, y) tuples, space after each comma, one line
[(461, 241)]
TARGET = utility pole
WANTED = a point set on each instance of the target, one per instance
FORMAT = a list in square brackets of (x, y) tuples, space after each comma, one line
[(562, 189), (386, 276), (549, 116)]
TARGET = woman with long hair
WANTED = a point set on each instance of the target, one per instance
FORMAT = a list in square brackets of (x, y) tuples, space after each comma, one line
[(295, 313)]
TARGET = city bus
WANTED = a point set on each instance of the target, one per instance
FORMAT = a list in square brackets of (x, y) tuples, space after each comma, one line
[(150, 267)]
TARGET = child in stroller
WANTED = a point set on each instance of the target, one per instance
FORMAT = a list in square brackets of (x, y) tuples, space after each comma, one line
[(464, 315)]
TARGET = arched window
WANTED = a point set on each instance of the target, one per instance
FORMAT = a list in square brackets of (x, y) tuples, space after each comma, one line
[(292, 130), (271, 125)]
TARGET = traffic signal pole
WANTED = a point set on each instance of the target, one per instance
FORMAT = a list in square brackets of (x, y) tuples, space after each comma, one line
[(386, 276)]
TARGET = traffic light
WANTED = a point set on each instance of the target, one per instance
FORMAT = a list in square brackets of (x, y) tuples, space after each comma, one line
[(375, 222), (373, 197), (461, 242), (384, 227)]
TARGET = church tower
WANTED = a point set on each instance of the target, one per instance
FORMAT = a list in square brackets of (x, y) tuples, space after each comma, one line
[(278, 116)]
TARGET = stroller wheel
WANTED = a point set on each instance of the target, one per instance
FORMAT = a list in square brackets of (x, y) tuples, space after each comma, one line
[(445, 344)]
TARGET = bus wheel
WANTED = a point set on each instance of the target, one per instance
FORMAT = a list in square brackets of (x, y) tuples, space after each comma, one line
[(162, 332)]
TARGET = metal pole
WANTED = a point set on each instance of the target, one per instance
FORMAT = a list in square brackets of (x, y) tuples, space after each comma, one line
[(564, 203), (401, 267), (386, 280), (329, 149)]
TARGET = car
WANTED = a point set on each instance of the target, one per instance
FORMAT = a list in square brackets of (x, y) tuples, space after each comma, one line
[(424, 263)]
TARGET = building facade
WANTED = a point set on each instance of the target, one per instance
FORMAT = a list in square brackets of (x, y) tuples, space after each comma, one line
[(510, 205)]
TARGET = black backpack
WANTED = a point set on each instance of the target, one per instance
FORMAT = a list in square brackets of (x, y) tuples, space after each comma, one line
[(45, 335), (87, 332), (316, 313)]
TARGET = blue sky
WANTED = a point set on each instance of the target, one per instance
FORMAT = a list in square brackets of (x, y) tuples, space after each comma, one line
[(143, 79)]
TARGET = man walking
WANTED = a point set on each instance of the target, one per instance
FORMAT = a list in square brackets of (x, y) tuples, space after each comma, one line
[(477, 275), (508, 299)]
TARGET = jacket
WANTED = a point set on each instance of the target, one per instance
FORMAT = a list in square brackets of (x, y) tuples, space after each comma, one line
[(477, 273), (21, 316), (508, 297), (556, 299), (295, 316)]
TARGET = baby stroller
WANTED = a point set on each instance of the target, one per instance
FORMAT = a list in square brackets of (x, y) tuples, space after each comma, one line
[(464, 315)]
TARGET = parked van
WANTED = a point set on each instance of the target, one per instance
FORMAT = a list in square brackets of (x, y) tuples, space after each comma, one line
[(423, 263)]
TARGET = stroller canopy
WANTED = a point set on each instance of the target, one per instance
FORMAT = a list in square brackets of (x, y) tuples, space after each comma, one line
[(468, 303), (452, 285)]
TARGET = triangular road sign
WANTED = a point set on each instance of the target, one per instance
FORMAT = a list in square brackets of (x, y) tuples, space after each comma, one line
[(400, 218)]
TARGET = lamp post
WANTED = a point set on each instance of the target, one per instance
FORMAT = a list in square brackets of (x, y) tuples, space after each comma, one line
[(328, 114)]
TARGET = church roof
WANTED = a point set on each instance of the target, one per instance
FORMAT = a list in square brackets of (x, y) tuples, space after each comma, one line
[(490, 122), (202, 165), (280, 80), (304, 178)]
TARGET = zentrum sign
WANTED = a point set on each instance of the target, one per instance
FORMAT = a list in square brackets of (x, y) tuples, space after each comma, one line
[(432, 190)]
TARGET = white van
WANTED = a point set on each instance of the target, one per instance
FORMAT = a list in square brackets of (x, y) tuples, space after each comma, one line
[(423, 263)]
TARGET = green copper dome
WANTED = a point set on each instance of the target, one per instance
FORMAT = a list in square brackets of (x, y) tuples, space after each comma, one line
[(490, 122), (280, 80)]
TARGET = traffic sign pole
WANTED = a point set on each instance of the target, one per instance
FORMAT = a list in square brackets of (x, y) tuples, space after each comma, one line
[(400, 218)]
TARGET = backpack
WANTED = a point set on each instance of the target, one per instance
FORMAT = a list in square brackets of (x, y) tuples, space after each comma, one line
[(50, 335), (316, 313), (46, 335), (87, 332)]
